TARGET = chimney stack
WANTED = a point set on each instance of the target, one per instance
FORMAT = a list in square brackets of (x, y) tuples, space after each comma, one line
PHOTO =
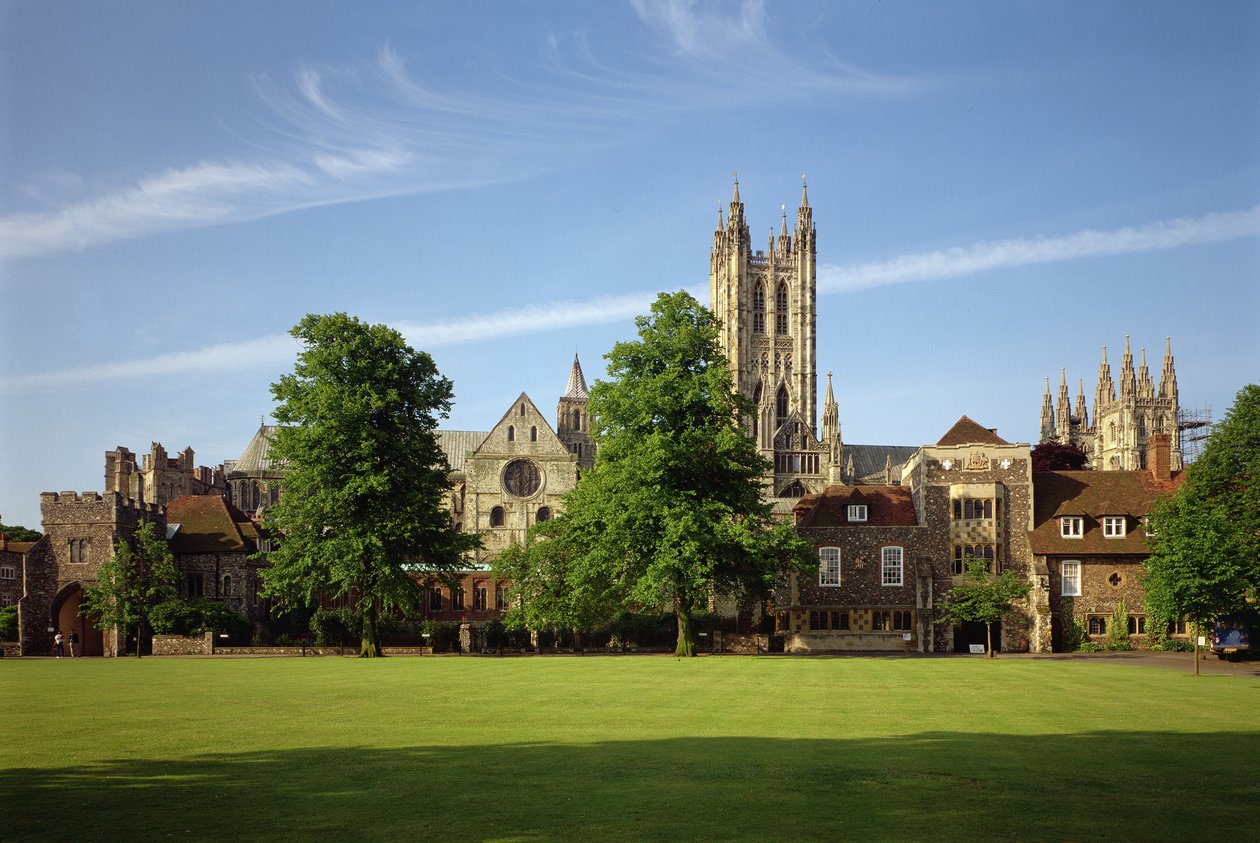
[(1159, 455)]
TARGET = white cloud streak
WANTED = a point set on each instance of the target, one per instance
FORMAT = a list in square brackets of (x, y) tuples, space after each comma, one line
[(340, 137), (1009, 254), (278, 351)]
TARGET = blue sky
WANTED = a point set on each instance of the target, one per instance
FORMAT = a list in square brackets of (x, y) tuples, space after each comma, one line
[(1000, 189)]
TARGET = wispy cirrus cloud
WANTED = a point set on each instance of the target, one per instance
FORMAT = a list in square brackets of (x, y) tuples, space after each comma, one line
[(345, 135), (1008, 254), (277, 351)]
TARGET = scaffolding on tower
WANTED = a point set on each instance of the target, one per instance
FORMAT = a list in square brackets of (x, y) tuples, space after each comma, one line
[(1193, 429)]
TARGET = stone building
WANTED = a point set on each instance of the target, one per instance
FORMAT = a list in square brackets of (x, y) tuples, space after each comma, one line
[(254, 481), (1089, 537), (889, 554), (12, 563), (158, 478), (1117, 438), (766, 302), (80, 534), (505, 481), (880, 570), (216, 549)]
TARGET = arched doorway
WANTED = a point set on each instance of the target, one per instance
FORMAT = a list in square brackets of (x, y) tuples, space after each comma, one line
[(65, 617), (973, 632)]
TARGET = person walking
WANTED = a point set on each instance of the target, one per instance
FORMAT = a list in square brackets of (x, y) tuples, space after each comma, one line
[(59, 645), (74, 644)]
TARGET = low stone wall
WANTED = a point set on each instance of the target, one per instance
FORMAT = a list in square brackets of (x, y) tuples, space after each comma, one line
[(183, 645), (10, 650), (744, 644), (849, 642)]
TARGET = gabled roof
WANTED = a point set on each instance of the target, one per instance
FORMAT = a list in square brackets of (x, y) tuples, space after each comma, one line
[(209, 524), (18, 547), (887, 506), (1094, 494), (967, 432), (457, 443), (869, 460)]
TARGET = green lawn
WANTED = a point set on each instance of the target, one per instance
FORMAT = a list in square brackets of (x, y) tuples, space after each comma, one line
[(593, 748)]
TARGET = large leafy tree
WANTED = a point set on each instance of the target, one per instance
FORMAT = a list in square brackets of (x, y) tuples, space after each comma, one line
[(980, 595), (362, 513), (14, 533), (139, 577), (1058, 456), (1205, 554), (672, 513)]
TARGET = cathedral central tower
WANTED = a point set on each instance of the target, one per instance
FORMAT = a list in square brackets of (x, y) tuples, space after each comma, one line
[(766, 301)]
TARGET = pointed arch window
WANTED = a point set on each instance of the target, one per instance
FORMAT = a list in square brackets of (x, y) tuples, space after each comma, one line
[(511, 433), (759, 309), (533, 434), (781, 309), (577, 419), (522, 408), (780, 405)]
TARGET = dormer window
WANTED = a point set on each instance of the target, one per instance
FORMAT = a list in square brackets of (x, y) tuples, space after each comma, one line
[(1072, 527), (1113, 526), (857, 513)]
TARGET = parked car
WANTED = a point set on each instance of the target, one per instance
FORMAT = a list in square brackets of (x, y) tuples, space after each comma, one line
[(1234, 636)]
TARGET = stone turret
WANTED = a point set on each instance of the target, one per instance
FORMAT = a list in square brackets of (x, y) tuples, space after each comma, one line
[(1048, 431), (573, 421)]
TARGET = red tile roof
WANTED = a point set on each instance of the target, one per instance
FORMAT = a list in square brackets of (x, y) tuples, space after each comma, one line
[(967, 432), (209, 524), (887, 506), (1092, 495)]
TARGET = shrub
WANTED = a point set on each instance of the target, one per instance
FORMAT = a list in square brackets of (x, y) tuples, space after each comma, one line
[(442, 637), (1118, 628), (1090, 647), (193, 617), (336, 627), (8, 623)]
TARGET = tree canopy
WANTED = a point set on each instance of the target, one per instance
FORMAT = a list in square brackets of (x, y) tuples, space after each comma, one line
[(980, 595), (1205, 551), (672, 513), (1058, 456), (139, 577), (362, 511), (14, 533)]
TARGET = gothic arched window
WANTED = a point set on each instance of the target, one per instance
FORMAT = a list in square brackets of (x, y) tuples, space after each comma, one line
[(781, 309), (511, 433), (533, 434), (522, 408), (759, 309), (577, 419), (780, 405)]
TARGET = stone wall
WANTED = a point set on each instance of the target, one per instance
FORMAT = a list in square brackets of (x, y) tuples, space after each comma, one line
[(861, 592), (1105, 581), (241, 592), (183, 645)]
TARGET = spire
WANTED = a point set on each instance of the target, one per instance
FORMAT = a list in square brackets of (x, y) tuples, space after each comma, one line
[(1128, 382), (1047, 414), (1082, 415), (831, 423), (1063, 418), (804, 192), (735, 199), (1145, 388), (735, 219), (850, 471), (577, 382), (1105, 391), (1168, 378)]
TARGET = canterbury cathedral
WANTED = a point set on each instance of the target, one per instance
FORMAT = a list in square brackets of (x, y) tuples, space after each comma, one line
[(1117, 438), (767, 304)]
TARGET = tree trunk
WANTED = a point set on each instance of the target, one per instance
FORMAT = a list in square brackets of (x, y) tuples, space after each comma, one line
[(370, 647), (988, 637), (137, 640), (686, 642)]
